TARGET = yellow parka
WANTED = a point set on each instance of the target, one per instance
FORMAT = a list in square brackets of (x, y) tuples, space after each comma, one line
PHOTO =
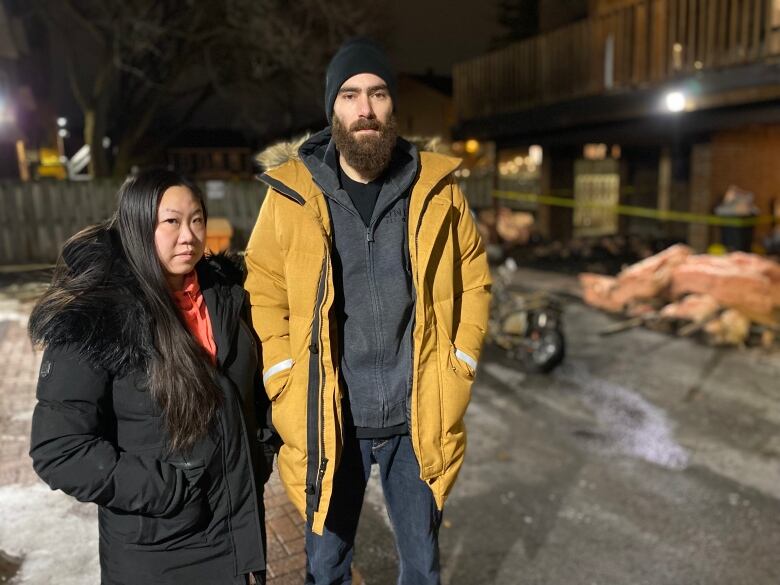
[(290, 285)]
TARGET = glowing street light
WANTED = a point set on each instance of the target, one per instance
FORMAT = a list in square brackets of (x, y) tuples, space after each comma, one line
[(62, 134), (675, 101), (472, 146)]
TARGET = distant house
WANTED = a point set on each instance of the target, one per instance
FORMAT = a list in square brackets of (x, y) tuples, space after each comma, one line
[(212, 155), (425, 107), (656, 105)]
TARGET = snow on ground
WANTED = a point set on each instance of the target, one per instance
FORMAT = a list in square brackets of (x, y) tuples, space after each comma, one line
[(54, 534)]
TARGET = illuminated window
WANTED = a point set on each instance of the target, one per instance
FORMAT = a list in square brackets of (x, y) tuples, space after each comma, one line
[(594, 151)]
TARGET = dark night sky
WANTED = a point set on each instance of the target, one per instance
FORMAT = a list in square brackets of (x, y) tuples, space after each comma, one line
[(438, 33)]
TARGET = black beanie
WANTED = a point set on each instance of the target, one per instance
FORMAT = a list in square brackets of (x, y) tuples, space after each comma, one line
[(354, 57)]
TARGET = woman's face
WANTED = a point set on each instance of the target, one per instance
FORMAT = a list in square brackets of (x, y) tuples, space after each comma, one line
[(180, 234)]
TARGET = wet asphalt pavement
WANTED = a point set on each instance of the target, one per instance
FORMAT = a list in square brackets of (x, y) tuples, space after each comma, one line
[(644, 460)]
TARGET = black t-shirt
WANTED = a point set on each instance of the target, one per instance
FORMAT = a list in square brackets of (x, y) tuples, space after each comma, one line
[(363, 195)]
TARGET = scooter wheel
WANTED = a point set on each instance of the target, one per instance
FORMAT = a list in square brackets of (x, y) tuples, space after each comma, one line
[(548, 351)]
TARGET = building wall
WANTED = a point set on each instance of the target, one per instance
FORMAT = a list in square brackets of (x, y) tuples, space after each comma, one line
[(554, 222), (748, 158), (640, 177), (422, 111), (602, 6), (554, 14), (699, 234)]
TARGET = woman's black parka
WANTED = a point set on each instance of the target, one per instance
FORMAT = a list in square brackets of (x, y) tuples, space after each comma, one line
[(97, 435)]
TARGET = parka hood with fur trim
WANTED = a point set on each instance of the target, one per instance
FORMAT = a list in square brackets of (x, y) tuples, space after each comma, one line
[(281, 152), (108, 322)]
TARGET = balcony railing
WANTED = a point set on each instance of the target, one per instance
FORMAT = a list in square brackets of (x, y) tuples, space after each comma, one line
[(644, 43)]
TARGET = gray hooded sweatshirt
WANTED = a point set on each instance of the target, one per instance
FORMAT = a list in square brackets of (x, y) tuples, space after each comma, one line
[(372, 275)]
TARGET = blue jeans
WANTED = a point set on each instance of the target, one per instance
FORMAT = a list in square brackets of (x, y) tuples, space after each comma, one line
[(410, 505)]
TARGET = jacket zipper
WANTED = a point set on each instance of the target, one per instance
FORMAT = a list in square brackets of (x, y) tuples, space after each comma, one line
[(323, 460), (313, 490)]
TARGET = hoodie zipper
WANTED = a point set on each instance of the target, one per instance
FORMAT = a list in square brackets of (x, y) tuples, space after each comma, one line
[(377, 318)]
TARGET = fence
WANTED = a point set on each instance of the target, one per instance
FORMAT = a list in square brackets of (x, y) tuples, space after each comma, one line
[(644, 43), (37, 218)]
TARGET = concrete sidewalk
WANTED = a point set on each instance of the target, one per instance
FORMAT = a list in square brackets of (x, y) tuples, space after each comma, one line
[(55, 536)]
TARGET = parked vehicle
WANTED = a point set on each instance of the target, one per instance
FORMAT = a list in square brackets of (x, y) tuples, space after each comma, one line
[(528, 325)]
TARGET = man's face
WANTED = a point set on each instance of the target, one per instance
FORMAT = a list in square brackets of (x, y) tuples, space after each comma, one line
[(363, 124), (363, 99)]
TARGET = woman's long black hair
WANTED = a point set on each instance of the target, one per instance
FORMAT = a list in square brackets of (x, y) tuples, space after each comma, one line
[(181, 379), (180, 376)]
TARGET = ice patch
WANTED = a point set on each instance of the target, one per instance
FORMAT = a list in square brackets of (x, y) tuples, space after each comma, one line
[(631, 425), (11, 310), (55, 535)]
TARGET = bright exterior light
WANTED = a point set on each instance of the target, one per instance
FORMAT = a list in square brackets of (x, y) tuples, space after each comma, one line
[(6, 115), (675, 101), (106, 142), (62, 132), (472, 146), (536, 154), (62, 122)]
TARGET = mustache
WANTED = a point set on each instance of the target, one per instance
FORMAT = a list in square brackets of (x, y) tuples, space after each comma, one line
[(366, 124)]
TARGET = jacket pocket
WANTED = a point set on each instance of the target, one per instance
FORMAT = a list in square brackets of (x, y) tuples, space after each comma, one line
[(191, 518), (456, 392), (463, 363), (276, 377), (167, 531)]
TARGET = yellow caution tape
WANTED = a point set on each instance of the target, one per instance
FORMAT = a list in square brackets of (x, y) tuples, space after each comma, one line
[(631, 210)]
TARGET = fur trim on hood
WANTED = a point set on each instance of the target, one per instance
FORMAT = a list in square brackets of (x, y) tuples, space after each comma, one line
[(95, 303), (277, 154), (281, 152)]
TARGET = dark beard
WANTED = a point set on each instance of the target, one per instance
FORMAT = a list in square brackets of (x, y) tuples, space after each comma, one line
[(368, 155)]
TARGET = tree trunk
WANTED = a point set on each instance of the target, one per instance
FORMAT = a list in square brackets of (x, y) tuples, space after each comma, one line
[(122, 162), (94, 130)]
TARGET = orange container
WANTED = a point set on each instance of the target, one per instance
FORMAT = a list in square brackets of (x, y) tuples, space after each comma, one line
[(219, 231)]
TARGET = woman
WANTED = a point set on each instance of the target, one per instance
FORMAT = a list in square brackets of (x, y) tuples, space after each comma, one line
[(147, 389)]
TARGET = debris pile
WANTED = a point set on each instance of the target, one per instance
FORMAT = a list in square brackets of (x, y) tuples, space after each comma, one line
[(600, 255), (514, 228), (733, 299)]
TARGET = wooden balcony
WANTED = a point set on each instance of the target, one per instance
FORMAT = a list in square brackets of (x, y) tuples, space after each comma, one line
[(642, 44)]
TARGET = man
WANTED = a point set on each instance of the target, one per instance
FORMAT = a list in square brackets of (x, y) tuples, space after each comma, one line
[(370, 290)]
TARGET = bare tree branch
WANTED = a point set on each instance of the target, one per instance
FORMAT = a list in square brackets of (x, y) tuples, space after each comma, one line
[(83, 21), (140, 60)]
